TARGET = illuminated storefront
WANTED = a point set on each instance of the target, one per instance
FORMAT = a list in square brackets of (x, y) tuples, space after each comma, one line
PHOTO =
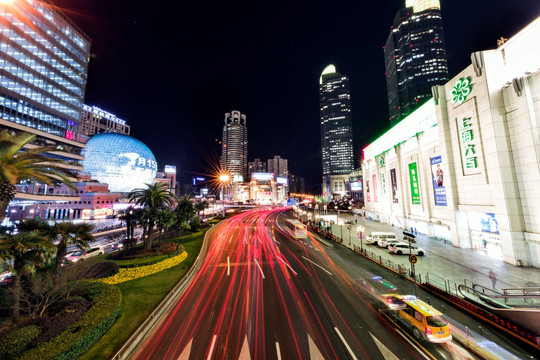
[(465, 165)]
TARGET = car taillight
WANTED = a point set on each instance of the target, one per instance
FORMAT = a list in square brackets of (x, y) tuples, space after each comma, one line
[(428, 331)]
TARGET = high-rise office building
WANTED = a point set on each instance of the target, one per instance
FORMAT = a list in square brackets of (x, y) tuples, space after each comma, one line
[(234, 144), (415, 57), (255, 166), (296, 184), (43, 71), (336, 131), (278, 166), (97, 121)]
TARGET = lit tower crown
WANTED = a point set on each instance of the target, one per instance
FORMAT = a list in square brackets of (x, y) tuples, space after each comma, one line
[(336, 122), (415, 57), (234, 144)]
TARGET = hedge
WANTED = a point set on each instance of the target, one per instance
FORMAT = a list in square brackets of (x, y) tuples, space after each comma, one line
[(127, 274), (82, 334), (15, 343), (130, 263)]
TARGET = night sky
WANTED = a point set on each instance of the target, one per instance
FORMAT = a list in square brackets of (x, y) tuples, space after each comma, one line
[(172, 69)]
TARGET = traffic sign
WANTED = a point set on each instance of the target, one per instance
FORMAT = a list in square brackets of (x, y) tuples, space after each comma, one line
[(413, 259)]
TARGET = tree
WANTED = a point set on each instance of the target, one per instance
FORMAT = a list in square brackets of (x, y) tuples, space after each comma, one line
[(31, 164), (184, 211), (152, 198), (165, 220), (22, 254), (130, 216), (200, 207), (68, 233)]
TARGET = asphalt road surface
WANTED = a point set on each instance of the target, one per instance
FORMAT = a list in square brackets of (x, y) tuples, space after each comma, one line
[(262, 293)]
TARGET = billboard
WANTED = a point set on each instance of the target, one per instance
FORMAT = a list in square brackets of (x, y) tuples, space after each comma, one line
[(356, 185), (170, 169), (395, 192), (121, 161), (439, 190), (260, 176), (282, 180), (415, 188)]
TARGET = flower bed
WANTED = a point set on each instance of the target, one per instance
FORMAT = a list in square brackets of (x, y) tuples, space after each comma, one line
[(127, 274)]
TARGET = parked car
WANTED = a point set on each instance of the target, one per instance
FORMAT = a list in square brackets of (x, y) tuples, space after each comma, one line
[(386, 243), (403, 248), (82, 255), (374, 237)]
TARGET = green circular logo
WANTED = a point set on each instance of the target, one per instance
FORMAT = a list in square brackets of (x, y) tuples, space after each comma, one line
[(461, 90), (381, 161)]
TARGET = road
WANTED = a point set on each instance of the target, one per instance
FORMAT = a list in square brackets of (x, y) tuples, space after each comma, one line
[(262, 294)]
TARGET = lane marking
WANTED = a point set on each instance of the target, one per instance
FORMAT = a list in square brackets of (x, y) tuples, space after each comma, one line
[(386, 352), (314, 353), (346, 345), (317, 265), (244, 353), (283, 261), (187, 350), (259, 266), (278, 351), (228, 266), (212, 348), (414, 346), (230, 238)]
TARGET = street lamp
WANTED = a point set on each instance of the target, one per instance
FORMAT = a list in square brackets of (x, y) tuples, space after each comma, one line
[(223, 180), (360, 230)]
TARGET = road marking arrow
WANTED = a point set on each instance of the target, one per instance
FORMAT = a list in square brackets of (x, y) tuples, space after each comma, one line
[(386, 353)]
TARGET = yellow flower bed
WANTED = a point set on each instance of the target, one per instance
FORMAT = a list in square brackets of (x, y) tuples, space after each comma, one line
[(126, 274)]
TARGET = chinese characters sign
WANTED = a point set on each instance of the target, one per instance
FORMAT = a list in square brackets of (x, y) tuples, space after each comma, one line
[(469, 146), (415, 188), (438, 181), (393, 180)]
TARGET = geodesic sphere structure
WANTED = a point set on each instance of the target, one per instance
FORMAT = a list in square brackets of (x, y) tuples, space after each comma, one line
[(119, 160)]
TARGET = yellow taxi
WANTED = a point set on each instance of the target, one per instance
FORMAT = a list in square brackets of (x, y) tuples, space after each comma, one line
[(426, 322)]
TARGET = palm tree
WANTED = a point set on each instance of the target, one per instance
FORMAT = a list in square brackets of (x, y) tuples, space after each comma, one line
[(30, 164), (68, 233), (129, 215), (200, 207), (152, 198), (22, 254)]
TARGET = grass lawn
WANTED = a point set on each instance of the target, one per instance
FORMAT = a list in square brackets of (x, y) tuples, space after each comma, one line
[(141, 297)]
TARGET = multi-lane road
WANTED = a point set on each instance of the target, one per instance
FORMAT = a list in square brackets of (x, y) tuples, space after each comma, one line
[(261, 293)]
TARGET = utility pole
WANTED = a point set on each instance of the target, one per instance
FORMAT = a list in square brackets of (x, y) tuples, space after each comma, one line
[(412, 259)]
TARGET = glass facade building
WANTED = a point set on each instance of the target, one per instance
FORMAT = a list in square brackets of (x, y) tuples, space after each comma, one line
[(336, 123), (43, 68), (415, 57), (234, 144)]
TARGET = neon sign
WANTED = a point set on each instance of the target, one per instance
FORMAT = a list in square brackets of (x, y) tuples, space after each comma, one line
[(461, 90)]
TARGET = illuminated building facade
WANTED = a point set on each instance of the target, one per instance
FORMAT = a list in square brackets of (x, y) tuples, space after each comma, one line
[(297, 184), (415, 57), (465, 165), (43, 71), (336, 131), (97, 121), (234, 144)]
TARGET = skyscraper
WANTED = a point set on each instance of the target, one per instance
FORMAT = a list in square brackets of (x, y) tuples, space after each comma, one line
[(43, 71), (255, 166), (97, 121), (234, 144), (336, 131), (415, 57)]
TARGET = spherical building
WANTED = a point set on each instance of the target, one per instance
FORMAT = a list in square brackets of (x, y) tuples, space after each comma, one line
[(121, 161)]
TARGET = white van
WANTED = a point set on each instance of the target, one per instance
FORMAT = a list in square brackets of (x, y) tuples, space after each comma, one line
[(374, 237)]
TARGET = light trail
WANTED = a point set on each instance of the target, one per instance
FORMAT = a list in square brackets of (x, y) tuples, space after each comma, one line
[(314, 263)]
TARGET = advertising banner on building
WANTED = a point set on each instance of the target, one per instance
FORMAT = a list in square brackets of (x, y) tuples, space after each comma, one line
[(375, 188), (395, 194), (367, 191), (438, 181), (415, 188)]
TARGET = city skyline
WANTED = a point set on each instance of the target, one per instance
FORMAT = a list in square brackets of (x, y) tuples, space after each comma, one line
[(268, 71)]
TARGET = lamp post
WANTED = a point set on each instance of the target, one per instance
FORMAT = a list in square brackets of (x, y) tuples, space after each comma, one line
[(360, 230), (223, 179)]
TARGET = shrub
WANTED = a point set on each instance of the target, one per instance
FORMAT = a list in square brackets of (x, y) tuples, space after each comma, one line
[(16, 342), (54, 325), (141, 261), (102, 270), (167, 248), (82, 334)]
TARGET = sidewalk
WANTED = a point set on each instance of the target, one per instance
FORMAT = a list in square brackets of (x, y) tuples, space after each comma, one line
[(442, 261)]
